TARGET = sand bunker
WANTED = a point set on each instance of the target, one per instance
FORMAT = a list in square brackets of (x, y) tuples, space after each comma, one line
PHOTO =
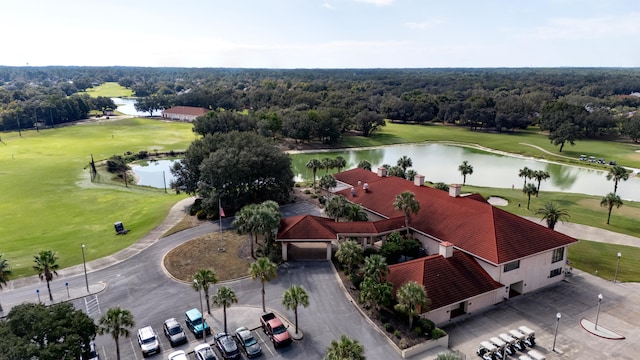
[(497, 201)]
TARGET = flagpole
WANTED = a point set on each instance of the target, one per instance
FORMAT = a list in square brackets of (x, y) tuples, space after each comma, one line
[(221, 248)]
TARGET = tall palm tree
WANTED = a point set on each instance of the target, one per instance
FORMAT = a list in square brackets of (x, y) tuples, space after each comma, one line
[(405, 162), (407, 203), (265, 270), (314, 165), (617, 173), (525, 173), (345, 349), (46, 266), (117, 322), (529, 189), (356, 212), (364, 164), (5, 271), (412, 300), (375, 266), (465, 169), (245, 222), (336, 207), (349, 254), (552, 214), (295, 296), (203, 278), (411, 174), (340, 163), (225, 297), (610, 201), (268, 219), (327, 163), (540, 175)]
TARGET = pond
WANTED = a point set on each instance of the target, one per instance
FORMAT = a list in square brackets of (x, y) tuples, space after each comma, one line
[(154, 173), (439, 163), (127, 107)]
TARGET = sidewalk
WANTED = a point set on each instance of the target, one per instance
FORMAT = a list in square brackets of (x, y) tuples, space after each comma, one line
[(591, 233)]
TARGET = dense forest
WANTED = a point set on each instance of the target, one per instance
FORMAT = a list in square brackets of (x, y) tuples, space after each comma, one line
[(324, 104)]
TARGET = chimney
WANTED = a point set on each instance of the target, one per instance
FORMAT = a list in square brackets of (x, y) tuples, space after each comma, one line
[(454, 190), (382, 171), (418, 180), (446, 249)]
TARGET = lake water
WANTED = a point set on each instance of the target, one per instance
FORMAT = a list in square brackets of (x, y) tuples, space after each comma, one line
[(127, 107), (156, 174), (439, 163)]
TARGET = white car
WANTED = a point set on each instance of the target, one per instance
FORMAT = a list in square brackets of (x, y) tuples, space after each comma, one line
[(205, 352), (178, 355)]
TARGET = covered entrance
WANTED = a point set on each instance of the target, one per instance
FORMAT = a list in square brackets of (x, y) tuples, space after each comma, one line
[(515, 289), (305, 251)]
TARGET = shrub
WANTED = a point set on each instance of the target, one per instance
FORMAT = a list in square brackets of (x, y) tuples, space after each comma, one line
[(201, 214), (314, 196), (403, 344), (426, 324), (397, 334), (307, 191), (383, 319), (297, 185), (356, 280), (437, 333), (322, 200), (388, 327), (417, 331), (143, 154)]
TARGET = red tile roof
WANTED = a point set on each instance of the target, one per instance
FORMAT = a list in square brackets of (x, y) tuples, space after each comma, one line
[(186, 110), (447, 280), (476, 227), (309, 227)]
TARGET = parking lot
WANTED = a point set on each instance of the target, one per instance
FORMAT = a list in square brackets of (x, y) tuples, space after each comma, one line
[(575, 299)]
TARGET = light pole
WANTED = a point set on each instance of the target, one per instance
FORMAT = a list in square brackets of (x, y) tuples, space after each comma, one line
[(38, 293), (558, 316), (84, 264), (204, 333), (67, 286), (615, 277), (600, 297)]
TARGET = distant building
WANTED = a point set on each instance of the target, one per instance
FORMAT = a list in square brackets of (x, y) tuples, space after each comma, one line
[(184, 113)]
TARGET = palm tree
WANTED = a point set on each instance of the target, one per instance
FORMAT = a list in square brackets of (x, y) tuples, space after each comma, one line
[(203, 278), (610, 201), (412, 300), (268, 219), (340, 163), (465, 169), (336, 207), (265, 270), (540, 175), (374, 293), (529, 189), (46, 267), (345, 349), (327, 181), (552, 214), (116, 322), (375, 267), (411, 174), (405, 162), (349, 254), (617, 173), (364, 164), (314, 165), (327, 163), (4, 273), (295, 296), (355, 212), (225, 297), (525, 173), (245, 222), (407, 203)]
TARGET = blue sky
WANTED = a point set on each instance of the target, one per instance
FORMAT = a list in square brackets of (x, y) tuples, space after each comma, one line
[(322, 33)]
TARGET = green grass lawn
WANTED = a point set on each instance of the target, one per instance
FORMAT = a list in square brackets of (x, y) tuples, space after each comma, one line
[(624, 153), (47, 200), (600, 259), (110, 89)]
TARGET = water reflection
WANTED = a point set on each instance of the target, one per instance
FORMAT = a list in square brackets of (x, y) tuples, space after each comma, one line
[(127, 107), (439, 163)]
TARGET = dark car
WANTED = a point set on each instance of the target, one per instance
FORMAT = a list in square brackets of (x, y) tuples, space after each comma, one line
[(227, 346), (247, 342), (173, 331)]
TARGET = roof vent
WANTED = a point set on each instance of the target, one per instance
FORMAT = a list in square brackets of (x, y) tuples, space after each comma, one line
[(365, 187), (454, 190), (418, 180), (446, 249), (382, 171)]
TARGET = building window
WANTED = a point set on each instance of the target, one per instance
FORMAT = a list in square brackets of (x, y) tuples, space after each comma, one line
[(512, 266), (555, 272), (558, 255)]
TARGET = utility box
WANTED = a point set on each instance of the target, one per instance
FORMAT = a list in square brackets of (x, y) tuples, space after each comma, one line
[(119, 228)]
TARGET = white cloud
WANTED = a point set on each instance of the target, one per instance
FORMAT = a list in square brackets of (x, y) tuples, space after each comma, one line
[(423, 25), (376, 2), (588, 28), (328, 6)]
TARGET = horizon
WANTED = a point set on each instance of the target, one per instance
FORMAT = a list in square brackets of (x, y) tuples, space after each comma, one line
[(323, 34)]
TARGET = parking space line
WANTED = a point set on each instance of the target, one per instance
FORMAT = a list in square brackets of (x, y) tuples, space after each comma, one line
[(133, 348), (264, 343)]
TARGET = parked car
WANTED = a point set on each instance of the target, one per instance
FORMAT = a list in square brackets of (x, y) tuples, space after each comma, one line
[(148, 341), (205, 352), (173, 331), (275, 330), (92, 354), (194, 320), (178, 355), (248, 342), (227, 346), (612, 162)]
